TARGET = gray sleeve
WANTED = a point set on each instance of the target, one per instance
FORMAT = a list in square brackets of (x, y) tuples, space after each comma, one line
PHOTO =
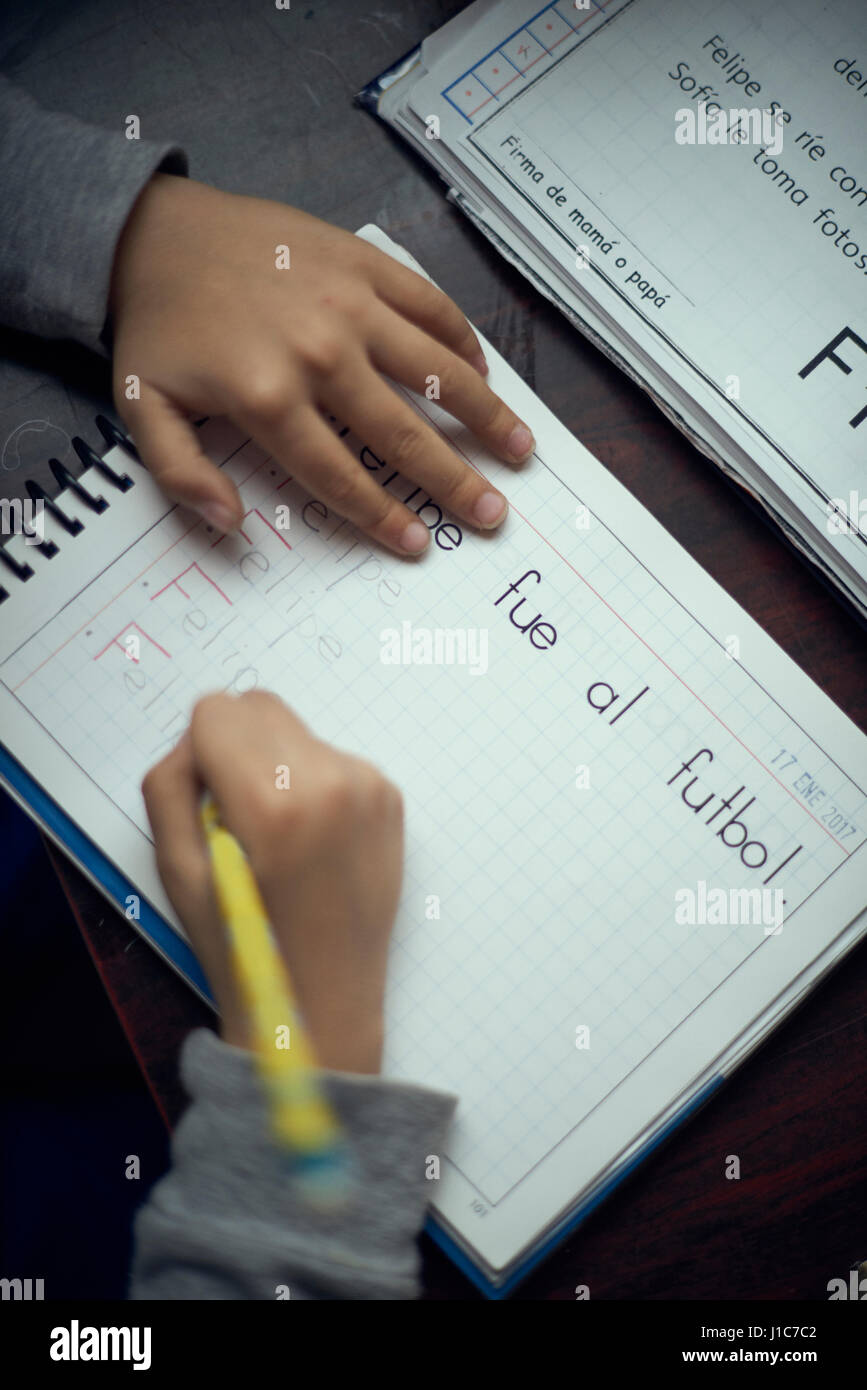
[(66, 190), (227, 1222)]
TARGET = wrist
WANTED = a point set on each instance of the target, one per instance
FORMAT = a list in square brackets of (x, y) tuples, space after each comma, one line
[(153, 214), (354, 1048), (349, 1047)]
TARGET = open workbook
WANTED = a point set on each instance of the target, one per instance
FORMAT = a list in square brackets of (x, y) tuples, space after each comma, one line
[(687, 181), (635, 830)]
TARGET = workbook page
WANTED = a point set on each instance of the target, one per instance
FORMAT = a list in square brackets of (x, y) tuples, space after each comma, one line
[(699, 171), (631, 821)]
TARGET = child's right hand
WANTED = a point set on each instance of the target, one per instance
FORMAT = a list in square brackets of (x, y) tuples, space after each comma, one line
[(326, 851)]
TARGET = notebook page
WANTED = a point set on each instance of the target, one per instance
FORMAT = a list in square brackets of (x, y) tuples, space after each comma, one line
[(741, 271), (552, 828)]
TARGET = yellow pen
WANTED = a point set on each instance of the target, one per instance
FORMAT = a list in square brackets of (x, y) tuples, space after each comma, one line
[(302, 1121)]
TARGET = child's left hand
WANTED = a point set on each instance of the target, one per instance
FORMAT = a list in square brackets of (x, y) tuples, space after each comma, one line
[(206, 322)]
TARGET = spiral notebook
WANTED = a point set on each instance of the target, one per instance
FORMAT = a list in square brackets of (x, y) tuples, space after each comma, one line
[(635, 830)]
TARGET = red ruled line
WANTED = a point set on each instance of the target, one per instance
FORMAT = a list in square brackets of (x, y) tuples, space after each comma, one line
[(115, 643), (194, 566), (134, 580), (522, 72), (254, 511)]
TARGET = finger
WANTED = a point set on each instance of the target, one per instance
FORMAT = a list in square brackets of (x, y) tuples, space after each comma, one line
[(160, 784), (170, 450), (171, 794), (243, 749), (408, 444), (406, 354), (308, 449), (415, 298)]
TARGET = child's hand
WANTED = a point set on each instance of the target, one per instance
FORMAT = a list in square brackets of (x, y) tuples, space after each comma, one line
[(208, 324), (326, 852)]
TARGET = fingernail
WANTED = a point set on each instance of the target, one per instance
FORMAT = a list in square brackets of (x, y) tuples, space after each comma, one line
[(489, 509), (216, 514), (520, 443), (415, 538), (480, 364)]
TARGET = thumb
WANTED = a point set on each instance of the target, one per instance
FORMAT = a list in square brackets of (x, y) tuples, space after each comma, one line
[(170, 451)]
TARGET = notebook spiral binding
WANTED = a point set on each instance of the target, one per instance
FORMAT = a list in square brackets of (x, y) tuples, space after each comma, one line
[(112, 436)]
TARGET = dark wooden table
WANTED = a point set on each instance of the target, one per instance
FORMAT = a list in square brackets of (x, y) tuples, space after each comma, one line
[(795, 1114)]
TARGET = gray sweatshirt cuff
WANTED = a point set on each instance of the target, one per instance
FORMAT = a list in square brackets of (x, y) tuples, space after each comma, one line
[(228, 1221), (67, 190)]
